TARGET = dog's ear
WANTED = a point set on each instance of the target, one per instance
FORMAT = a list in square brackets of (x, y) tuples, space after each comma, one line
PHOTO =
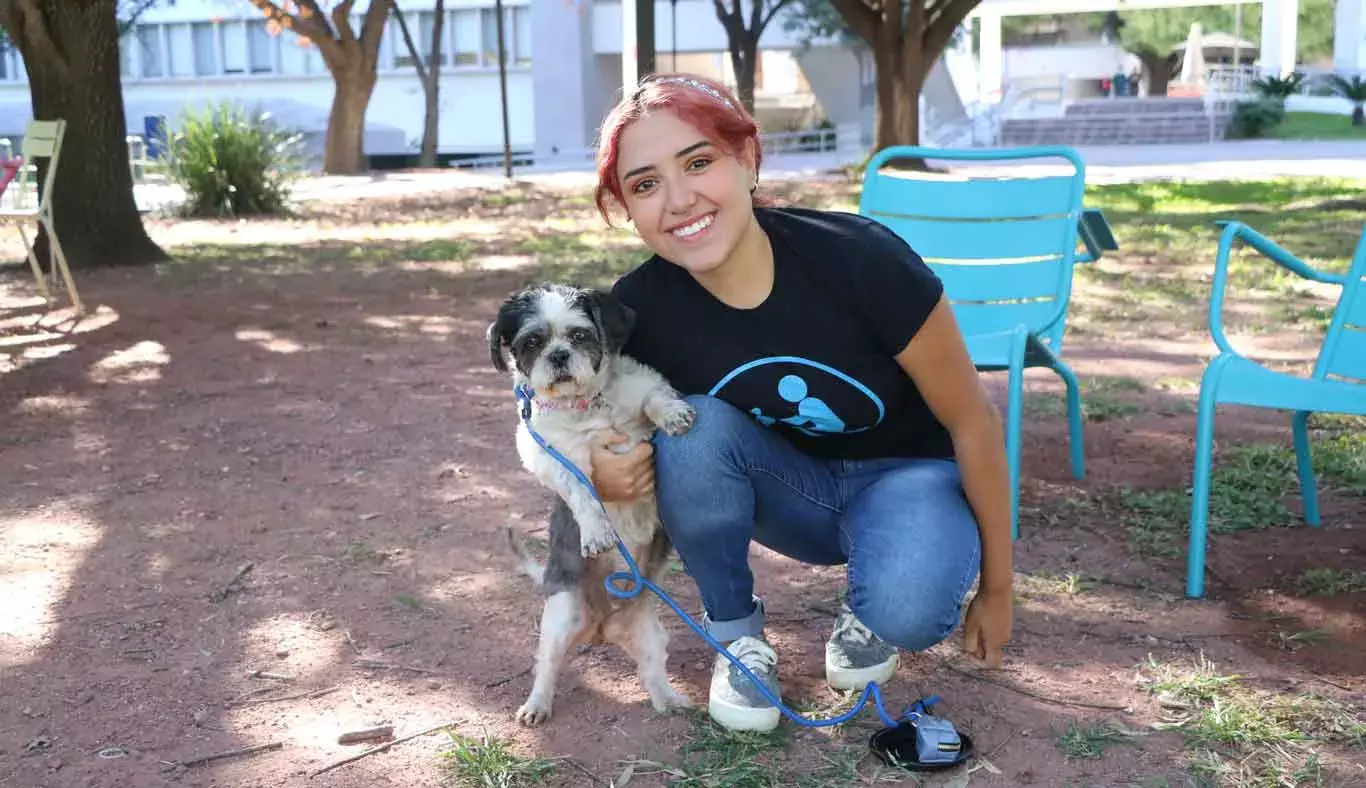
[(505, 326), (614, 319), (494, 334)]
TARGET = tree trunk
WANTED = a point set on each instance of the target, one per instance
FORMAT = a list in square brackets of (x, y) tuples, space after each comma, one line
[(344, 150), (70, 50), (1157, 71), (1359, 115), (431, 87), (744, 60), (898, 81)]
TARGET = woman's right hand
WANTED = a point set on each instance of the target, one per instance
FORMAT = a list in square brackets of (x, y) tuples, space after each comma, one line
[(621, 476)]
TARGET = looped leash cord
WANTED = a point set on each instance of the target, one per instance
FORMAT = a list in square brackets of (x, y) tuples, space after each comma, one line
[(630, 583)]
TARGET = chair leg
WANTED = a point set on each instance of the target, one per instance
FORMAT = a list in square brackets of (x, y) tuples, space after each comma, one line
[(59, 262), (1199, 520), (33, 263), (1074, 419), (1014, 418), (1304, 459)]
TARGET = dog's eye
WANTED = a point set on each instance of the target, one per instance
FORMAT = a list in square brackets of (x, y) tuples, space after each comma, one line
[(531, 343), (578, 335)]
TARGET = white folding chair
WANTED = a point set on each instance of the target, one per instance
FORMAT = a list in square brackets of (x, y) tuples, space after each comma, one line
[(42, 140)]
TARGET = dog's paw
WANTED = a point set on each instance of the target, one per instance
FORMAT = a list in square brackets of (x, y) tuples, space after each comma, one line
[(533, 713), (677, 418), (596, 540), (667, 700)]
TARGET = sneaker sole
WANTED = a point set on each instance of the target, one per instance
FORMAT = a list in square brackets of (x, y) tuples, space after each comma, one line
[(858, 678), (743, 718)]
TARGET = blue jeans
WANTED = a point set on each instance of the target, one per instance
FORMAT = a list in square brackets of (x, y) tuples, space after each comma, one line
[(903, 526)]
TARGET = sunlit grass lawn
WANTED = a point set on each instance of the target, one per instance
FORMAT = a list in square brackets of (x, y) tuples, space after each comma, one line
[(1317, 126)]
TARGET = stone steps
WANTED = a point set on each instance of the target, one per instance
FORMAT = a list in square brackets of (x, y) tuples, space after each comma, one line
[(1140, 121)]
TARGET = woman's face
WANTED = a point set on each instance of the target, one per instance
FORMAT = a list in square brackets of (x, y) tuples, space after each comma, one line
[(689, 200)]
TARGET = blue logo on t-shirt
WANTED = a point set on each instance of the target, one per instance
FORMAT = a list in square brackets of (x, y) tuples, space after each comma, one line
[(811, 397)]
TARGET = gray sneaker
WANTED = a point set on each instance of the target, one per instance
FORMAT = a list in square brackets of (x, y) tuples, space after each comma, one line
[(854, 656), (735, 702)]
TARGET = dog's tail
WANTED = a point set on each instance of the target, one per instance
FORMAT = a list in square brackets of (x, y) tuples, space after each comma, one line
[(526, 562)]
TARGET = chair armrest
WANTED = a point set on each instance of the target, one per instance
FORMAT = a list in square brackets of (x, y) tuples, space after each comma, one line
[(1095, 233), (1276, 254), (1234, 230)]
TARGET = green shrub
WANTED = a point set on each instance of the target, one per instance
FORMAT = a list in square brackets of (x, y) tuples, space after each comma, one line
[(233, 163), (1255, 118)]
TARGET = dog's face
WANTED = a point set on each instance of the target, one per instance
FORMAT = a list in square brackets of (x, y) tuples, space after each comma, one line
[(561, 338)]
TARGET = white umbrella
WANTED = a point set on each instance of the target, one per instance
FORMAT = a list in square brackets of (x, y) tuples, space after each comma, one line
[(1193, 63)]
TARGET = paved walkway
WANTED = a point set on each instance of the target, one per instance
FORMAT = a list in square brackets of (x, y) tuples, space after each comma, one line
[(1108, 164)]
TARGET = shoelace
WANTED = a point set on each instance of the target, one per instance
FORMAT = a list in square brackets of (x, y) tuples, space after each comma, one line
[(850, 629), (756, 655)]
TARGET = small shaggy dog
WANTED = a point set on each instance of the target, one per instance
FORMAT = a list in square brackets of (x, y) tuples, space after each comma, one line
[(566, 343)]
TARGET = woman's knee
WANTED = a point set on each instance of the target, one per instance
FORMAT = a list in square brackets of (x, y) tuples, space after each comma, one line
[(912, 622), (915, 552)]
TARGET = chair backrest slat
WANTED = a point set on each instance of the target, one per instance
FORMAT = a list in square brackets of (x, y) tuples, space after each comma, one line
[(952, 240), (993, 282), (42, 139), (1003, 246)]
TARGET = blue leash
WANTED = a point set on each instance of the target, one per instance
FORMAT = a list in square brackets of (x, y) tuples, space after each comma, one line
[(636, 583)]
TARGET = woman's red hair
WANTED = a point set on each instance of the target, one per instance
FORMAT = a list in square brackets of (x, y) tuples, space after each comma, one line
[(702, 103)]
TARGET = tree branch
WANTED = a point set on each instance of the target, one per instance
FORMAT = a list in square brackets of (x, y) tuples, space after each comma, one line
[(32, 29), (311, 13), (372, 29), (412, 48), (306, 24), (940, 30), (862, 20), (341, 20), (139, 7), (773, 10)]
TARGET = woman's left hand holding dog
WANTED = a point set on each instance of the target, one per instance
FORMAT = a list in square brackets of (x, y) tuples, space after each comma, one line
[(622, 476)]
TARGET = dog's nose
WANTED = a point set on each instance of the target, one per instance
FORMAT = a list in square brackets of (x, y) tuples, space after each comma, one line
[(559, 357)]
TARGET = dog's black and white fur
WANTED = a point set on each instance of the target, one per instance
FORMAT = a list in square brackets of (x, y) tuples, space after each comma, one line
[(565, 343)]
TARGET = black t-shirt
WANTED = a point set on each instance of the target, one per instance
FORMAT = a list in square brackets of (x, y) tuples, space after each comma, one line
[(815, 360)]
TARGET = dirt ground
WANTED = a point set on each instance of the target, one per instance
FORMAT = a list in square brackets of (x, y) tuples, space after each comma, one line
[(255, 499)]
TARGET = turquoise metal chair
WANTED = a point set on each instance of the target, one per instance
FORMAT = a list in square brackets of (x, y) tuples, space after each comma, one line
[(1005, 248), (1337, 383)]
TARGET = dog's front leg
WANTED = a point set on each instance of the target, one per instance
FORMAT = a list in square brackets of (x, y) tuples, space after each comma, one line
[(596, 534), (667, 411)]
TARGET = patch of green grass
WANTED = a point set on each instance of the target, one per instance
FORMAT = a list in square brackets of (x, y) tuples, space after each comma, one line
[(1089, 741), (1101, 400), (1330, 582), (1249, 486), (490, 763), (715, 757), (1244, 737), (1159, 280), (739, 759), (1317, 126)]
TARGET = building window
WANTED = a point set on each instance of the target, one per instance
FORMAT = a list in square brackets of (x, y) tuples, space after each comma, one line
[(149, 50), (259, 48), (421, 24), (516, 35), (521, 34), (180, 50), (205, 55), (234, 42), (464, 26)]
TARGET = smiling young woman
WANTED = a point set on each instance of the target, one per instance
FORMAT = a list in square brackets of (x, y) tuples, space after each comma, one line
[(840, 420)]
